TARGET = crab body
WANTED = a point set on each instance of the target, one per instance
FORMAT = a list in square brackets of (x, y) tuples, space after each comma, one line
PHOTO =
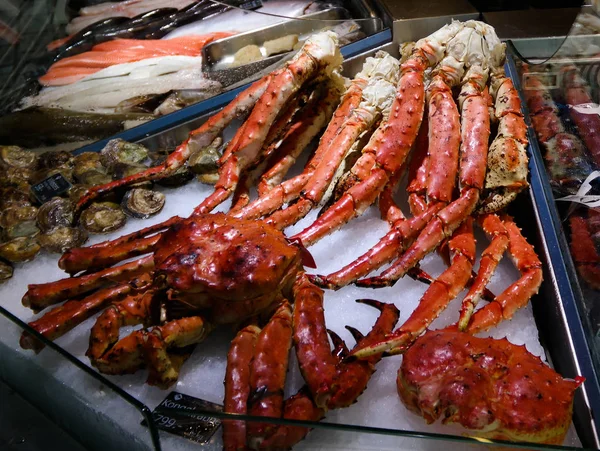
[(493, 388), (232, 268)]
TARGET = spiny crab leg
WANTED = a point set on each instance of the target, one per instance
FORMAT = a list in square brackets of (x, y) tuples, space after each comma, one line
[(62, 319), (475, 131), (382, 76), (499, 239), (40, 296), (198, 139), (306, 128), (518, 294), (389, 146), (108, 253), (257, 365), (372, 83), (320, 54), (437, 297)]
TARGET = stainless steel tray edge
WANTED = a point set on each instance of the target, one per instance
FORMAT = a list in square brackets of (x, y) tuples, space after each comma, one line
[(566, 344)]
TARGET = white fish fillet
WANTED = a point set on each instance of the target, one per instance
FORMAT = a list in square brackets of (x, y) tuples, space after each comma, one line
[(105, 89), (240, 21), (130, 8)]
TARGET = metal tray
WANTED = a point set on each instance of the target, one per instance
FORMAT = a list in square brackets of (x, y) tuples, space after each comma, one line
[(219, 54), (555, 314)]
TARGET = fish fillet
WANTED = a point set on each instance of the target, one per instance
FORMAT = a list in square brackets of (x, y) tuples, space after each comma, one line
[(105, 89), (119, 51), (238, 20)]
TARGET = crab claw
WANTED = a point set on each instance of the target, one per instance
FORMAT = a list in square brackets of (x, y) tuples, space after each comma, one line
[(307, 258)]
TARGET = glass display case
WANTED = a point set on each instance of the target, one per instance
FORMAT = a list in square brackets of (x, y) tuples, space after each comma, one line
[(559, 325)]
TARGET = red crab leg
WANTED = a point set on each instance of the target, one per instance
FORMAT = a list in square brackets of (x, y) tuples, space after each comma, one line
[(305, 130), (389, 146), (518, 294), (444, 143), (359, 121), (199, 138), (418, 170), (237, 386), (338, 139), (583, 250), (498, 235), (245, 150), (332, 383), (128, 312), (388, 208), (101, 255), (62, 319), (437, 297), (475, 132), (40, 296), (298, 407), (268, 371)]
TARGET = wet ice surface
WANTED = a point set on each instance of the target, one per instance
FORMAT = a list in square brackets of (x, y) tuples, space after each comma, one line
[(202, 375)]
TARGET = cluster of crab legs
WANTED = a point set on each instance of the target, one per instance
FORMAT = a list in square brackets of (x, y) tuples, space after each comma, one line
[(211, 269)]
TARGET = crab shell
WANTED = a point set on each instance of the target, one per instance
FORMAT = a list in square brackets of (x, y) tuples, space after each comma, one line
[(493, 388), (234, 268)]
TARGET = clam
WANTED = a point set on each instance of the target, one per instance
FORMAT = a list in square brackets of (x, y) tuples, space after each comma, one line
[(118, 152), (56, 212), (142, 203), (19, 221), (14, 156), (103, 217), (20, 249), (62, 238), (6, 271), (55, 159)]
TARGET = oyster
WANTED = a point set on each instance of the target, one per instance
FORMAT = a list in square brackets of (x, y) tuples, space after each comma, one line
[(20, 249), (6, 271), (11, 196), (142, 203), (18, 177), (180, 177), (62, 238), (55, 159), (77, 191), (103, 217), (205, 160), (14, 156), (56, 212), (19, 221), (89, 170), (118, 152)]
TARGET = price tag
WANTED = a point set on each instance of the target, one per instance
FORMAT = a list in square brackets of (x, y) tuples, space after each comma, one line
[(252, 4), (170, 416), (51, 187)]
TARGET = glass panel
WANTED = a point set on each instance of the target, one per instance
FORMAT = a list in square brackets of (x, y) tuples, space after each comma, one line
[(562, 96), (97, 413)]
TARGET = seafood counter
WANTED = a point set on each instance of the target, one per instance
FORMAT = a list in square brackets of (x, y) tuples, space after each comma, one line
[(126, 63), (225, 289)]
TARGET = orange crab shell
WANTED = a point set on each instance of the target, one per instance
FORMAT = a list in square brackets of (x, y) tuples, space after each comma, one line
[(213, 259), (492, 387)]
